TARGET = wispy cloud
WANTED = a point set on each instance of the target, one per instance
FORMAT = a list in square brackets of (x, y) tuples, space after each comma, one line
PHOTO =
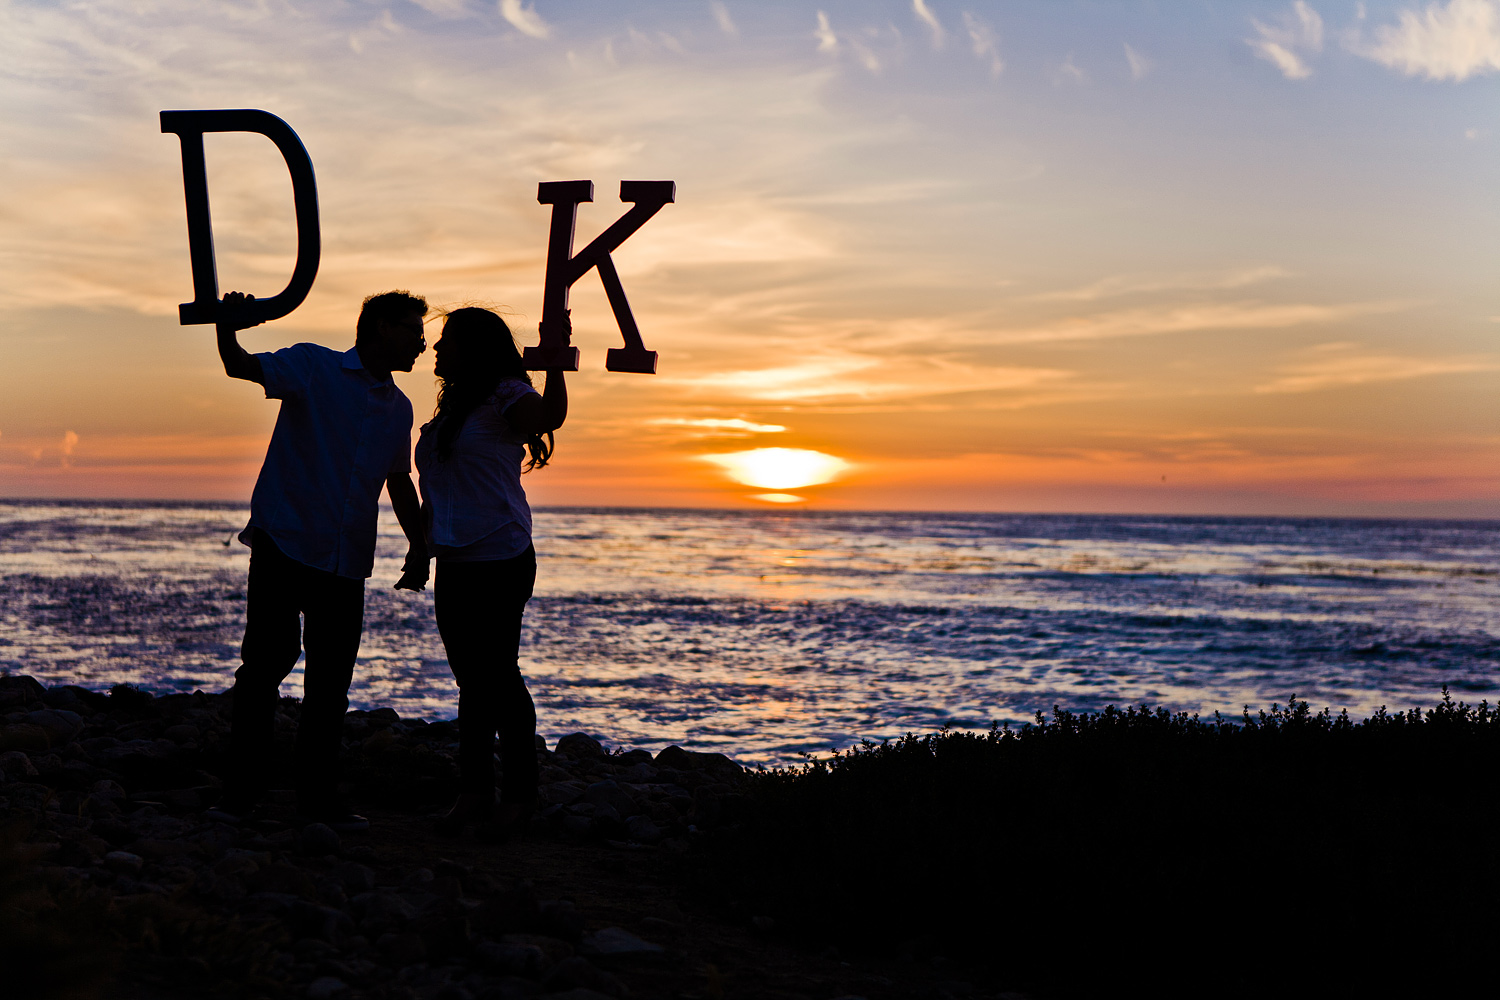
[(721, 16), (984, 44), (444, 8), (718, 426), (926, 16), (525, 19), (67, 448), (1070, 72), (1136, 284), (1140, 66), (1339, 365), (827, 40), (1284, 45), (1453, 42), (868, 379), (1188, 319)]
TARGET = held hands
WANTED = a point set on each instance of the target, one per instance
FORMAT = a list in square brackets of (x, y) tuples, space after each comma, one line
[(414, 571)]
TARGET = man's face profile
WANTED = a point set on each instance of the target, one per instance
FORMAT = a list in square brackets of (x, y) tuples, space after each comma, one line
[(397, 343)]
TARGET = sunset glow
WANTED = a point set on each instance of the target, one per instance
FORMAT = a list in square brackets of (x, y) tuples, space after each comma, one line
[(780, 468), (1028, 256)]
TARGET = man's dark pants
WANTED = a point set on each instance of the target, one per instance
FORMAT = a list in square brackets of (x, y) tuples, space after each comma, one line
[(333, 608)]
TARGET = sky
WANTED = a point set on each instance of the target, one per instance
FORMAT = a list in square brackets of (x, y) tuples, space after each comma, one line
[(1185, 257)]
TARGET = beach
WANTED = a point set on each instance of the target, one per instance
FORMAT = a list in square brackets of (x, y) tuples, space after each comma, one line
[(135, 889)]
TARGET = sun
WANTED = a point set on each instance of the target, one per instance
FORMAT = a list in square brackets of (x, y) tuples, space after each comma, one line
[(780, 468)]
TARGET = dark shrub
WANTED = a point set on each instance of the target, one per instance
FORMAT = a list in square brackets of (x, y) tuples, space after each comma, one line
[(1207, 857)]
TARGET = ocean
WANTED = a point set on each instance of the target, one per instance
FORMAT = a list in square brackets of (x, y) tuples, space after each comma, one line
[(769, 634)]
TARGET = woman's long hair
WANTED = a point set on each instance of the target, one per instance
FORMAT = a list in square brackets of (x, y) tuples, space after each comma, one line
[(479, 351)]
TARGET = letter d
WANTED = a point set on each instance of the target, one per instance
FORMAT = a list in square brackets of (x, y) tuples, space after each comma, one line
[(189, 126)]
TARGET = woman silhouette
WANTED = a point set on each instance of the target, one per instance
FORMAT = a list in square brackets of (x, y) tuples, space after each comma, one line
[(470, 457)]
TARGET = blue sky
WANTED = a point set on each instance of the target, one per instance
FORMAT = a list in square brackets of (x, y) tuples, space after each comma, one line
[(1216, 257)]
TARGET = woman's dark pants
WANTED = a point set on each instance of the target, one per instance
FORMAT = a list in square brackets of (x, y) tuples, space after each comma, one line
[(479, 607), (282, 595)]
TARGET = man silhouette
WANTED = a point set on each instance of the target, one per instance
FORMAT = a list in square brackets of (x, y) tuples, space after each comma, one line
[(343, 432)]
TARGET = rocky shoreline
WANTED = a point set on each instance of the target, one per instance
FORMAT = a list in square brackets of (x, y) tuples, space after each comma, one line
[(107, 806)]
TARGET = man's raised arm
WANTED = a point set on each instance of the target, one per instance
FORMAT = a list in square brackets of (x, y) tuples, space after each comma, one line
[(238, 362)]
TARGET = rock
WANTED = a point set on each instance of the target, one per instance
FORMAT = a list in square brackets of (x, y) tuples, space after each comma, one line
[(617, 942), (581, 746), (578, 972), (18, 691), (16, 765), (354, 877), (325, 987), (319, 839), (76, 698), (511, 959), (314, 920), (561, 918), (24, 736), (562, 792), (281, 877), (677, 758), (123, 862), (553, 949), (108, 792), (47, 765), (61, 725), (182, 733), (609, 793), (637, 774), (382, 912), (641, 829), (402, 949), (159, 850), (632, 757)]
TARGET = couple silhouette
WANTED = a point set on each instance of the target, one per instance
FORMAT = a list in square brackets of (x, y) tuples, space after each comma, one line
[(343, 433)]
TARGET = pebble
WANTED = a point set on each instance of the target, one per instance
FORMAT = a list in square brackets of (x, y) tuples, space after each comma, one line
[(124, 863), (617, 942), (326, 986), (319, 839)]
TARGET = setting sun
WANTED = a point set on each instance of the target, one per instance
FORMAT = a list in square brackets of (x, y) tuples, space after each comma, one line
[(780, 468)]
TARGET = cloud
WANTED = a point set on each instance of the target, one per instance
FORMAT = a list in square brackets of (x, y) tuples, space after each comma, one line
[(525, 19), (69, 444), (1334, 366), (926, 16), (1442, 43), (852, 377), (866, 56), (721, 15), (1135, 284), (443, 8), (1070, 72), (1140, 66), (1300, 30), (827, 40), (1189, 319), (718, 427), (983, 43)]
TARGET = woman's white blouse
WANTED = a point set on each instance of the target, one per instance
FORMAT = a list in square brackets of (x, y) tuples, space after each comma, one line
[(476, 491)]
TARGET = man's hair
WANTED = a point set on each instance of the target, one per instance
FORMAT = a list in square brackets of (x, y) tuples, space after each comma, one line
[(387, 307)]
